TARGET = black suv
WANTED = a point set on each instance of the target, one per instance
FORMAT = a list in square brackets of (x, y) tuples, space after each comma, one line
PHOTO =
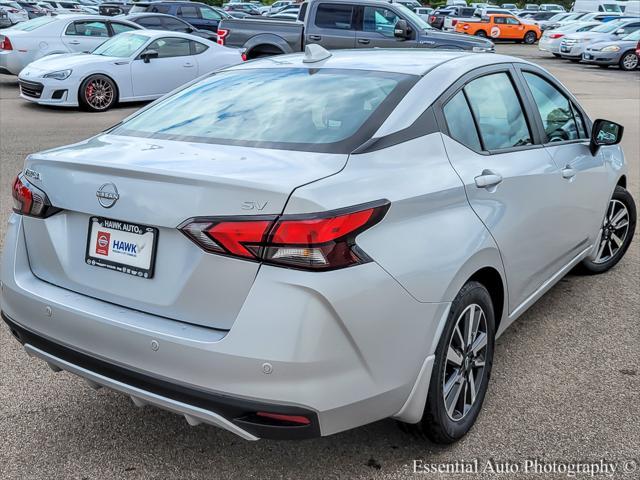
[(200, 15), (160, 21)]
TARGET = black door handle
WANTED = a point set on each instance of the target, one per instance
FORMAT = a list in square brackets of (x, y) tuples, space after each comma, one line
[(364, 41), (315, 38)]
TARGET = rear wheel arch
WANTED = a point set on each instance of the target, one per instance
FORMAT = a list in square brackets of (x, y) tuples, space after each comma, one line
[(264, 50), (492, 280), (622, 182)]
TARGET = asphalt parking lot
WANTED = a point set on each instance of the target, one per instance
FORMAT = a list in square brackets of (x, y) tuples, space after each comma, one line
[(564, 388)]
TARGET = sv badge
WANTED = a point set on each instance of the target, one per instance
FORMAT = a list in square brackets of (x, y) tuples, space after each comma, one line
[(254, 205)]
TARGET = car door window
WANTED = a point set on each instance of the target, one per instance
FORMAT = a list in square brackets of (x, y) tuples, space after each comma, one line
[(460, 122), (331, 15), (498, 112), (499, 20), (159, 9), (558, 118), (88, 29), (188, 12), (121, 27), (512, 21), (171, 47), (209, 13), (198, 47), (153, 23), (380, 20), (175, 25)]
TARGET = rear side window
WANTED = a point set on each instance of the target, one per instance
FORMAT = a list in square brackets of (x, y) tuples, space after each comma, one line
[(187, 11), (120, 28), (88, 29), (175, 25), (171, 47), (331, 15), (496, 107), (209, 14), (560, 119), (460, 122), (153, 23), (198, 47)]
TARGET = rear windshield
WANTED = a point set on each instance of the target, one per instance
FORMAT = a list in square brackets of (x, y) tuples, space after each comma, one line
[(608, 27), (326, 110), (33, 24)]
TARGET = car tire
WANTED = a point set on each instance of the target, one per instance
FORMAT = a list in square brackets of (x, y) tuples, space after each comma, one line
[(604, 67), (97, 93), (629, 61), (481, 33), (557, 55), (619, 223), (530, 38), (574, 60), (447, 417)]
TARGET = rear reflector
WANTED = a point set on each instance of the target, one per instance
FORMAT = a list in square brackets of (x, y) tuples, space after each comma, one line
[(299, 419), (321, 241)]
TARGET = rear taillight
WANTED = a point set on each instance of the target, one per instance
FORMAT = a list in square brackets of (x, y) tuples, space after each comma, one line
[(30, 200), (556, 35), (222, 34), (322, 241), (454, 22), (5, 43), (432, 19), (638, 49), (244, 57)]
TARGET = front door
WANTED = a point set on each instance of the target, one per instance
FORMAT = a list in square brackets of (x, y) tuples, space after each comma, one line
[(378, 25), (511, 183), (333, 26), (174, 66)]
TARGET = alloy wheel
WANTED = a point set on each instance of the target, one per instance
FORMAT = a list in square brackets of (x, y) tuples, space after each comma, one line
[(630, 61), (614, 231), (465, 362), (99, 93)]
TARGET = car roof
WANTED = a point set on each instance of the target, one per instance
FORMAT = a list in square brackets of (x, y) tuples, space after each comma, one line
[(165, 33), (405, 61)]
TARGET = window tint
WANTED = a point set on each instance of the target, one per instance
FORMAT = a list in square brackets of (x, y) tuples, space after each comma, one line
[(88, 29), (380, 20), (188, 11), (120, 27), (160, 9), (295, 106), (499, 20), (512, 21), (498, 112), (171, 47), (153, 23), (460, 122), (209, 13), (330, 15), (175, 25), (555, 110), (198, 47)]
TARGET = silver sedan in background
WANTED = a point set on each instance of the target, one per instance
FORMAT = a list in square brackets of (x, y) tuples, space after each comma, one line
[(551, 39), (623, 52)]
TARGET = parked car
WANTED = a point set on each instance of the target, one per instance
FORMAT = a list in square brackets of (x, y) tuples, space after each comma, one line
[(220, 227), (200, 15), (551, 7), (66, 6), (438, 17), (4, 18), (134, 66), (560, 19), (349, 24), (15, 13), (573, 45), (531, 7), (424, 13), (32, 9), (609, 6), (509, 6), (455, 15), (501, 27), (33, 39), (248, 8), (291, 10), (275, 6), (112, 8), (622, 53), (551, 39), (600, 17), (160, 21)]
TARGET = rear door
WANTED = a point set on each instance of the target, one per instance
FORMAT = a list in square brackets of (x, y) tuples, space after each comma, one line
[(174, 66), (377, 30), (512, 184), (333, 26), (85, 35)]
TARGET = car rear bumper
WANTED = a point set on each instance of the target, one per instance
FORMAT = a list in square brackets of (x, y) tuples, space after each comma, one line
[(296, 348), (11, 62), (549, 45)]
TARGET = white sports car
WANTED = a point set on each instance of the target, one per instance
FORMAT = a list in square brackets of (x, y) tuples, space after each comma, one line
[(133, 66)]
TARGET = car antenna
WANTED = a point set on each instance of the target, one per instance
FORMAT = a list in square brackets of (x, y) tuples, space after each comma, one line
[(315, 53)]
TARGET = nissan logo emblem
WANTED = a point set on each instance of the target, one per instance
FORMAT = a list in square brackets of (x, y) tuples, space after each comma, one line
[(107, 195)]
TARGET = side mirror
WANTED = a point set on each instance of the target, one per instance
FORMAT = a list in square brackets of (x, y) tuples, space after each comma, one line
[(620, 31), (147, 55), (603, 133), (401, 29)]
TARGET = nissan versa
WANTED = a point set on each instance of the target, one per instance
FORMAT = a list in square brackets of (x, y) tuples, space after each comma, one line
[(341, 248)]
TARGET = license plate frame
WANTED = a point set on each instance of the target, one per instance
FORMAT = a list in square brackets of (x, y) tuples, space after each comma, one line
[(102, 255)]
